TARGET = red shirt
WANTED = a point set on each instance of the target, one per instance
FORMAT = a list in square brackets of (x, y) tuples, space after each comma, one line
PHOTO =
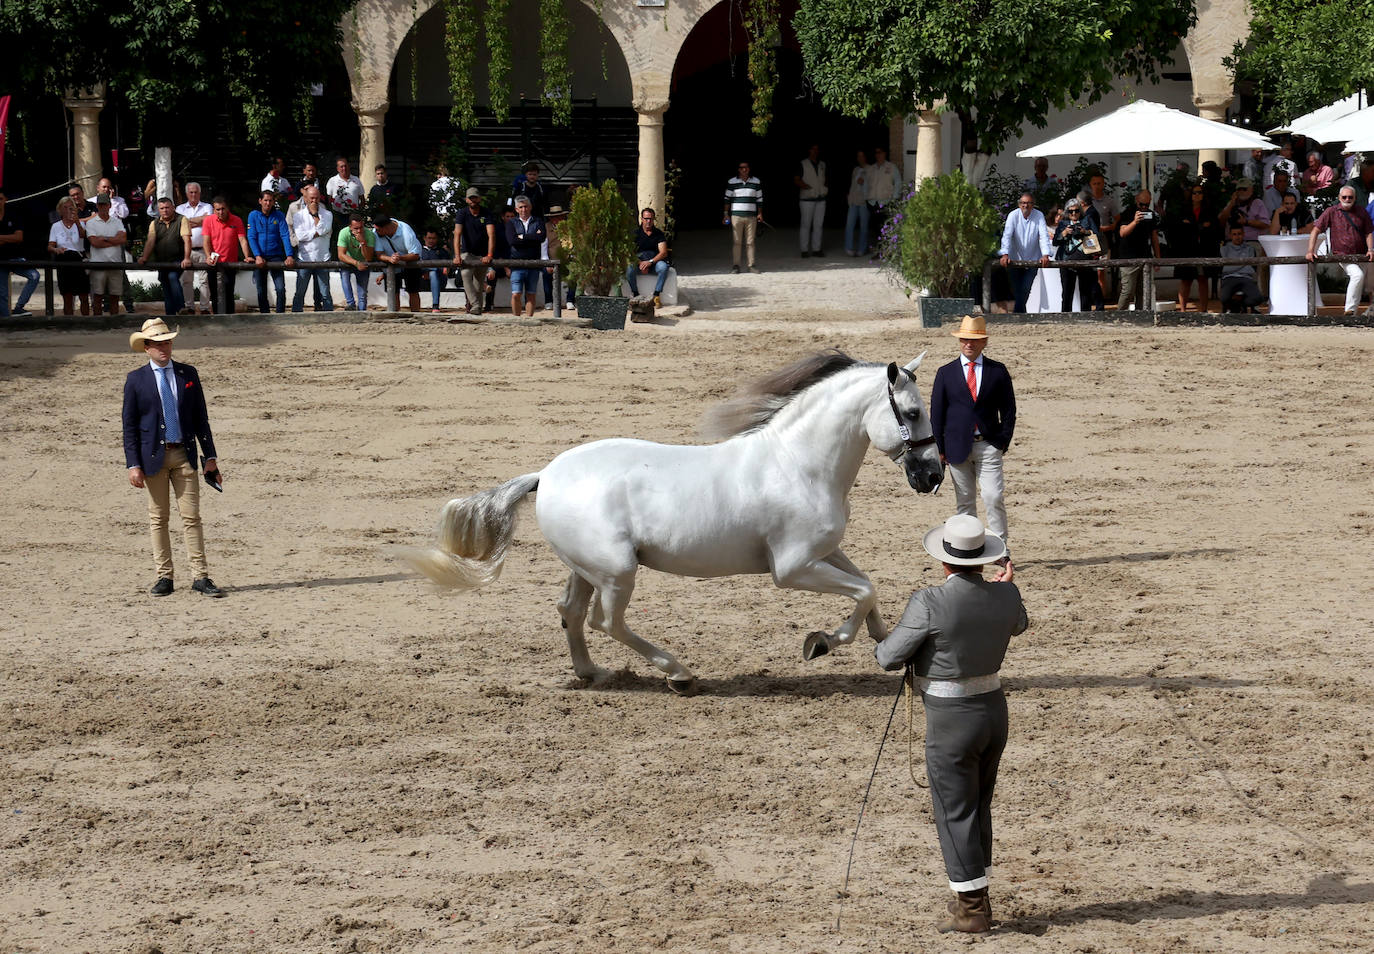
[(224, 236), (1348, 229)]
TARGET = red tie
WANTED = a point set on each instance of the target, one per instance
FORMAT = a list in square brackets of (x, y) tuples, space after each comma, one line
[(973, 380)]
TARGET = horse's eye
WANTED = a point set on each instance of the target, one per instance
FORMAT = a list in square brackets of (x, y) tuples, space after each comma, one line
[(914, 414)]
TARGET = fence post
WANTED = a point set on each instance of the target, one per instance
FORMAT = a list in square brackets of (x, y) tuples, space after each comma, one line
[(557, 294), (1147, 278), (987, 287), (48, 291), (1311, 289), (393, 294)]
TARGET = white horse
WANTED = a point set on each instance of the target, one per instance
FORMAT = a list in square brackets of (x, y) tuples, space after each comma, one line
[(771, 497)]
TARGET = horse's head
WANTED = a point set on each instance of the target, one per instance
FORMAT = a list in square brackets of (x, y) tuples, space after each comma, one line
[(900, 428)]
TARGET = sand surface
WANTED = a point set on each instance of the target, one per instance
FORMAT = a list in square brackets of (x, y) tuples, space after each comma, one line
[(339, 757)]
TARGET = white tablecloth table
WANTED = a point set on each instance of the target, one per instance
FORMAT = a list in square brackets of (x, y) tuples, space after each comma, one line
[(1287, 283)]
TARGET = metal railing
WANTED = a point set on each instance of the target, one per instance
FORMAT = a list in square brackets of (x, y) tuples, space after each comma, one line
[(221, 272), (1147, 277)]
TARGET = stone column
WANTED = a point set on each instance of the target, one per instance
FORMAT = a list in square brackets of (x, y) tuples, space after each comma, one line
[(86, 104), (1212, 107), (371, 136), (651, 188), (929, 148)]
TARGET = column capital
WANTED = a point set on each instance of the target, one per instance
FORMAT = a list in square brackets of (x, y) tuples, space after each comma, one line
[(85, 97), (370, 111), (652, 114)]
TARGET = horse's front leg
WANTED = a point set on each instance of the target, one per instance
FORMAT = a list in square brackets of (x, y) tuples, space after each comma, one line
[(877, 629), (825, 575)]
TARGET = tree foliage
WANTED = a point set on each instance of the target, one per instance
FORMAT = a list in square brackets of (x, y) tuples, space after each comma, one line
[(1302, 56), (256, 57), (599, 237), (998, 63)]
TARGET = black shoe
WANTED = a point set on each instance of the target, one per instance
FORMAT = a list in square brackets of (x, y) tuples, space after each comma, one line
[(819, 253), (206, 586), (162, 587), (806, 254), (734, 269), (21, 313)]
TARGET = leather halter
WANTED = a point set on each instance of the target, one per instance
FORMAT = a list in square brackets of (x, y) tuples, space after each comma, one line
[(909, 444)]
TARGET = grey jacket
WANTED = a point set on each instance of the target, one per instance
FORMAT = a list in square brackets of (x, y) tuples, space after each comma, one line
[(956, 630)]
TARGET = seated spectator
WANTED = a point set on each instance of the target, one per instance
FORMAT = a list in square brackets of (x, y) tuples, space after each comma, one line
[(1317, 175), (67, 243), (1070, 238), (11, 257), (1273, 196), (1240, 278), (432, 251), (651, 248), (1292, 218)]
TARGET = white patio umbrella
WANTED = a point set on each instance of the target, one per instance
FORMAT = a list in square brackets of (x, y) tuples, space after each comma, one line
[(1356, 125), (1361, 144), (1303, 125), (1143, 127)]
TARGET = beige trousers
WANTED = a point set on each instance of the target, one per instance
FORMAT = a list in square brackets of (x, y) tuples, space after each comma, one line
[(744, 227), (176, 476), (474, 280), (198, 280)]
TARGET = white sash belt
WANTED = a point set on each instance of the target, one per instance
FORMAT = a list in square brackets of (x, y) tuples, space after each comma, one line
[(959, 688)]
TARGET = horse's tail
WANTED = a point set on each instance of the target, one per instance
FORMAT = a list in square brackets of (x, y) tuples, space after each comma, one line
[(472, 536)]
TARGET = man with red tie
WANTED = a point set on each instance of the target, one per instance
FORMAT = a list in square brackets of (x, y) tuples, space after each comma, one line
[(973, 414)]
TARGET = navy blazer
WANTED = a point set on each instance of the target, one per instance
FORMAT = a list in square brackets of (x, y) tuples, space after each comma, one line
[(145, 440), (525, 238), (953, 412)]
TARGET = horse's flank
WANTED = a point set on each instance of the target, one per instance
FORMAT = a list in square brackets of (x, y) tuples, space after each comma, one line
[(759, 401)]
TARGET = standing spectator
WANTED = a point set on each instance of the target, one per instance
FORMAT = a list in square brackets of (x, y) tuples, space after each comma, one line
[(1292, 218), (310, 176), (1254, 166), (345, 190), (743, 213), (553, 216), (397, 244), (178, 193), (1363, 184), (432, 251), (357, 246), (196, 212), (1282, 161), (1137, 237), (276, 182), (11, 255), (311, 229), (380, 197), (443, 194), (67, 243), (525, 233), (883, 186), (1317, 175), (85, 208), (1273, 196), (1352, 233), (169, 240), (1070, 238), (811, 181), (530, 187), (107, 238), (1194, 233), (1025, 237), (474, 241), (1239, 279), (224, 241), (1245, 210), (118, 207), (651, 248), (269, 239), (856, 218), (1040, 179), (1108, 210)]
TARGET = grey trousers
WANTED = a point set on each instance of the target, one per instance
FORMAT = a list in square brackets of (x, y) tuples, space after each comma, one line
[(964, 742)]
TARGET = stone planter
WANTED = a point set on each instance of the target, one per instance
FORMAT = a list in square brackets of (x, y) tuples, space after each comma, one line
[(934, 311), (605, 313)]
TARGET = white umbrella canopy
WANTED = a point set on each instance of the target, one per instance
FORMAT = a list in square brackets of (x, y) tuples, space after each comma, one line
[(1143, 127), (1303, 125), (1362, 144), (1358, 125)]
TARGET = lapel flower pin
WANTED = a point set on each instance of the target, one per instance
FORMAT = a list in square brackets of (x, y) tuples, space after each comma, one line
[(189, 384)]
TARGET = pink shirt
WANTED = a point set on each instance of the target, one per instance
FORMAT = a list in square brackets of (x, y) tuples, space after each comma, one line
[(1323, 177)]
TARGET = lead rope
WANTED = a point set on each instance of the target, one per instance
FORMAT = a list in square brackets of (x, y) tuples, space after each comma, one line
[(909, 682)]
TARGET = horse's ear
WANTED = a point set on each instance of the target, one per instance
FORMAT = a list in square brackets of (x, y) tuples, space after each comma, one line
[(892, 372), (917, 363)]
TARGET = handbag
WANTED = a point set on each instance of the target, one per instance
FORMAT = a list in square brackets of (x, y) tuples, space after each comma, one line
[(1091, 244)]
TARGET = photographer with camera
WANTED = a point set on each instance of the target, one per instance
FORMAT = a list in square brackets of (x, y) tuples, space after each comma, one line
[(1137, 237), (1077, 239)]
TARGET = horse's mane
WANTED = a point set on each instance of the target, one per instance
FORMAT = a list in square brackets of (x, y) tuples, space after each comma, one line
[(756, 403)]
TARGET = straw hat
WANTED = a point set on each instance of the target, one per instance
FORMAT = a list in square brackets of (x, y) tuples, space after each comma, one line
[(962, 541), (555, 210), (154, 329), (972, 326)]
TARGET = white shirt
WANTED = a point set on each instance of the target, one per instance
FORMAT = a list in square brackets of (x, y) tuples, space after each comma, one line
[(977, 376), (118, 207), (106, 229), (882, 182), (67, 239), (1025, 237), (198, 211), (345, 195), (312, 238), (271, 183)]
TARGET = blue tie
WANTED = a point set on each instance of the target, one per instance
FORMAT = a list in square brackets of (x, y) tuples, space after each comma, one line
[(169, 405)]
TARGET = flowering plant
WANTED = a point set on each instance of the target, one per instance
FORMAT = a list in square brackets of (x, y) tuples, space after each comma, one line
[(937, 234)]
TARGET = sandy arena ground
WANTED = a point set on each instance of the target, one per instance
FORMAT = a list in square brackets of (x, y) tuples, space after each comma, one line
[(338, 757)]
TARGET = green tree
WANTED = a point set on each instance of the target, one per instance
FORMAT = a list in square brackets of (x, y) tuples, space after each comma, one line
[(257, 58), (1301, 56), (998, 64)]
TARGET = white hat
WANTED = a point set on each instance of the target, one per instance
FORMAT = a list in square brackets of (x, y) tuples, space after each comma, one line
[(962, 541)]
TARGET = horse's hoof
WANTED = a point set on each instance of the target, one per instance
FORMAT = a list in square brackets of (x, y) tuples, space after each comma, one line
[(816, 646), (683, 687)]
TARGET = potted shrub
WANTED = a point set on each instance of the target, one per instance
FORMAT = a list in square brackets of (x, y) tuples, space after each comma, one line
[(938, 235), (598, 243)]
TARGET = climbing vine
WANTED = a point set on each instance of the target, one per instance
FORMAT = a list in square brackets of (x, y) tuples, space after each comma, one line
[(459, 17), (765, 34), (553, 53), (499, 58)]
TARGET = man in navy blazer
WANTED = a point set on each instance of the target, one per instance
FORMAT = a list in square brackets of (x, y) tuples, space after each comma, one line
[(164, 418), (973, 414)]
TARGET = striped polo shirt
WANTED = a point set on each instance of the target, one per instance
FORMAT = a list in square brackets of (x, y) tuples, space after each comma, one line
[(744, 195)]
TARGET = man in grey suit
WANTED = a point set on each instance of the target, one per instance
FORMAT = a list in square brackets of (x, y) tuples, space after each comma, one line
[(954, 636)]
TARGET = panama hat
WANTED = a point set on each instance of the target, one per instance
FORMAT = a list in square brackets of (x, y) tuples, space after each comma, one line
[(972, 326), (154, 329), (962, 541), (555, 210)]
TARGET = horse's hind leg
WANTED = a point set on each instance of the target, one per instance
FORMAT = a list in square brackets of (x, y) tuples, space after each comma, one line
[(573, 608), (614, 594)]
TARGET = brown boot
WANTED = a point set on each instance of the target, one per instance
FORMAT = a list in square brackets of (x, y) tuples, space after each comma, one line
[(971, 914), (952, 904)]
